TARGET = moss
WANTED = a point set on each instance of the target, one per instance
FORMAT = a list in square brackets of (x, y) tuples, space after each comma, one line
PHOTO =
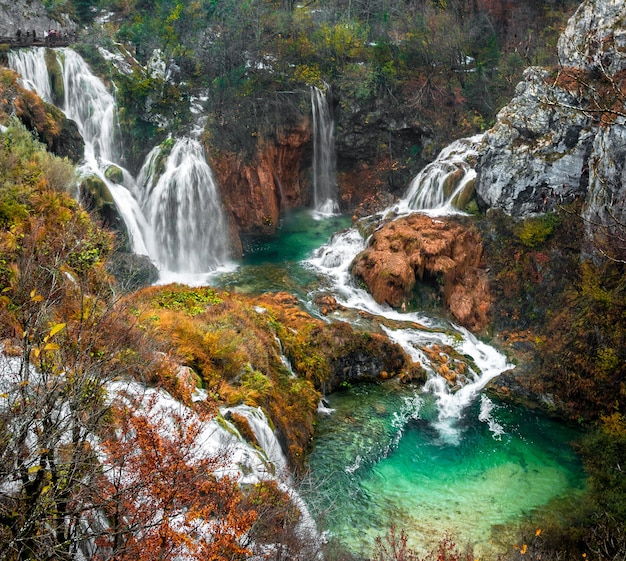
[(534, 231), (56, 76), (192, 301), (114, 174)]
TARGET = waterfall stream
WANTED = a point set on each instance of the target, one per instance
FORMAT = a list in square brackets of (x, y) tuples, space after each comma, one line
[(428, 459), (324, 179), (437, 187), (176, 218)]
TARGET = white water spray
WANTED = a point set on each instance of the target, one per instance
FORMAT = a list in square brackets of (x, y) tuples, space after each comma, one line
[(324, 173), (333, 260), (436, 188), (183, 207)]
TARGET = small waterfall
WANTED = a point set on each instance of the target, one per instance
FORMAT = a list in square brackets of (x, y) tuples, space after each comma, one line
[(334, 259), (324, 174), (176, 219), (30, 64), (438, 186), (183, 207)]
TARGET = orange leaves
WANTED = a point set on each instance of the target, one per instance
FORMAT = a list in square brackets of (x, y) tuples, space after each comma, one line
[(164, 499)]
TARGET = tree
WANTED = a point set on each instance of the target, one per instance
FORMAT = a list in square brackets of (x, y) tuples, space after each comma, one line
[(161, 493)]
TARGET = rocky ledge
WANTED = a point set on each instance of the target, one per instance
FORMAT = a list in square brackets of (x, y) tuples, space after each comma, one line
[(437, 250)]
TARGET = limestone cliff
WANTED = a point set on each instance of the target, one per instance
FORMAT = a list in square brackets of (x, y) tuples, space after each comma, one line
[(562, 136), (257, 191), (28, 16)]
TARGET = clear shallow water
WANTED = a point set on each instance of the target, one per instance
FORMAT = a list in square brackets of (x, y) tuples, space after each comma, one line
[(377, 459), (274, 263)]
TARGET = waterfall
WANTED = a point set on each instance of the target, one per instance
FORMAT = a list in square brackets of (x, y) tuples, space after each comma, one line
[(177, 218), (30, 64), (438, 186), (324, 175), (183, 207)]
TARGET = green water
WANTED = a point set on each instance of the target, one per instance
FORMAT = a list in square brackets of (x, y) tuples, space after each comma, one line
[(273, 263), (377, 460)]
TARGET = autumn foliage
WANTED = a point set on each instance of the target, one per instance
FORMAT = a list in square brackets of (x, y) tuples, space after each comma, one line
[(161, 495)]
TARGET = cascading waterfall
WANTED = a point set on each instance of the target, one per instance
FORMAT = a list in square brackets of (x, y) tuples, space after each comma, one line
[(177, 218), (334, 259), (453, 170), (324, 174), (30, 64), (438, 186), (183, 207)]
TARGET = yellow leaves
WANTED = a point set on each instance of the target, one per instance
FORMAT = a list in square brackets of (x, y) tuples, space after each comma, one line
[(56, 329), (47, 345), (538, 532), (34, 297), (523, 549)]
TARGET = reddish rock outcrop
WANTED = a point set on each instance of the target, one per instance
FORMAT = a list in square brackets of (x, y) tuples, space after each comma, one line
[(418, 247), (256, 191)]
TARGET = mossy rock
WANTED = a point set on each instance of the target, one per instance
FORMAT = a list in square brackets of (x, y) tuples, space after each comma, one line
[(114, 174), (97, 198), (465, 197), (56, 77)]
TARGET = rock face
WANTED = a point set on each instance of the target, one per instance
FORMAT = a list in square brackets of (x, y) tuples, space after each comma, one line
[(256, 192), (562, 136), (418, 247), (595, 35), (29, 15), (536, 154)]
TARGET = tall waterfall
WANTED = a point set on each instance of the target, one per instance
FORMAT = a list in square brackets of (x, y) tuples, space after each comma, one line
[(438, 186), (176, 218), (324, 173), (184, 208)]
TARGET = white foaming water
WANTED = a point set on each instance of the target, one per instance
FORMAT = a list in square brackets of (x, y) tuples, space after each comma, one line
[(485, 416), (273, 451), (31, 66), (451, 171), (176, 219), (324, 174), (183, 207)]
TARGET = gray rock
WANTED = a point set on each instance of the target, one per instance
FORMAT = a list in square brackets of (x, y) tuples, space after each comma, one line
[(132, 271), (595, 36), (29, 15), (605, 209), (547, 148), (535, 155)]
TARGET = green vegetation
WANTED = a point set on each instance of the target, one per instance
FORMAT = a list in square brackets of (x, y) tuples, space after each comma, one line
[(189, 300), (451, 64)]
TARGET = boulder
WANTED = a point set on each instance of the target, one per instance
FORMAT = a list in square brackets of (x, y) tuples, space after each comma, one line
[(132, 271), (420, 248)]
